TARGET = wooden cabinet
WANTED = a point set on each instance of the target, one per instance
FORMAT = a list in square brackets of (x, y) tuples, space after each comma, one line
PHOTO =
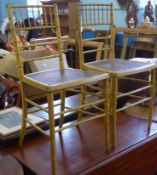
[(67, 15)]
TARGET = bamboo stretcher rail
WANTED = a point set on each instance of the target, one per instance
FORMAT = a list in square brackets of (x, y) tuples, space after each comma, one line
[(80, 107), (134, 91), (79, 122), (37, 128), (134, 79), (136, 96), (83, 111), (35, 104), (96, 50), (134, 104), (37, 110)]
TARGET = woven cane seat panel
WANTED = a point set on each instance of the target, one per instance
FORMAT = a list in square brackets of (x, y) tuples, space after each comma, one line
[(119, 66), (58, 76)]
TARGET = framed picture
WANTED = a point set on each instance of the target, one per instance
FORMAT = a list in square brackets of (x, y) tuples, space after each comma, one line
[(10, 121)]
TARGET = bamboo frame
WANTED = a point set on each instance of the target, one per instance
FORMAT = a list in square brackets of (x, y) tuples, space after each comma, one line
[(135, 32), (56, 80), (118, 69)]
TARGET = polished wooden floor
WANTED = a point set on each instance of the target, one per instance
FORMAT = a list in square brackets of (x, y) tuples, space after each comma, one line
[(80, 150)]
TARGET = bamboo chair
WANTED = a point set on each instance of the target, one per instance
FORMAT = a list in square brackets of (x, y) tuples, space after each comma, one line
[(57, 80), (145, 42), (100, 17)]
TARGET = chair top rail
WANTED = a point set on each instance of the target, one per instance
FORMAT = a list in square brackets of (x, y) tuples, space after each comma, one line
[(96, 4), (32, 55), (48, 39), (30, 6), (39, 44), (40, 58), (98, 38), (34, 27), (91, 23)]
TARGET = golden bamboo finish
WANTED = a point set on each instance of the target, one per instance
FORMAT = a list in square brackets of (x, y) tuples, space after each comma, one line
[(99, 17), (59, 80), (152, 95), (50, 100)]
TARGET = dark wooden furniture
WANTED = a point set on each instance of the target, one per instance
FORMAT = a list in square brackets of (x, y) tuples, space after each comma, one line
[(11, 93), (134, 154), (135, 32), (9, 165), (67, 15)]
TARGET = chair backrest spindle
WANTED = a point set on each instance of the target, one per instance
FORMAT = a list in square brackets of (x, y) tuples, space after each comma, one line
[(97, 18), (40, 18)]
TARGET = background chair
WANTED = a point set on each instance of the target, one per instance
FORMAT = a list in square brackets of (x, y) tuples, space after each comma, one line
[(144, 42), (100, 17), (59, 80)]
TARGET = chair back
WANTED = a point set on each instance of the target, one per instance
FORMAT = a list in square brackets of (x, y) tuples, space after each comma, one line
[(147, 37), (97, 18), (26, 18)]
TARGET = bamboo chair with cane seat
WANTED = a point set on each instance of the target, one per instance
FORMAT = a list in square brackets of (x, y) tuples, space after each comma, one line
[(58, 80), (100, 17)]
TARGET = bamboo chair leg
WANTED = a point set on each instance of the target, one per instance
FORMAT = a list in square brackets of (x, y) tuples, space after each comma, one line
[(155, 50), (82, 101), (50, 100), (24, 114), (134, 52), (106, 115), (61, 120), (152, 96), (113, 109), (130, 52), (105, 55)]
